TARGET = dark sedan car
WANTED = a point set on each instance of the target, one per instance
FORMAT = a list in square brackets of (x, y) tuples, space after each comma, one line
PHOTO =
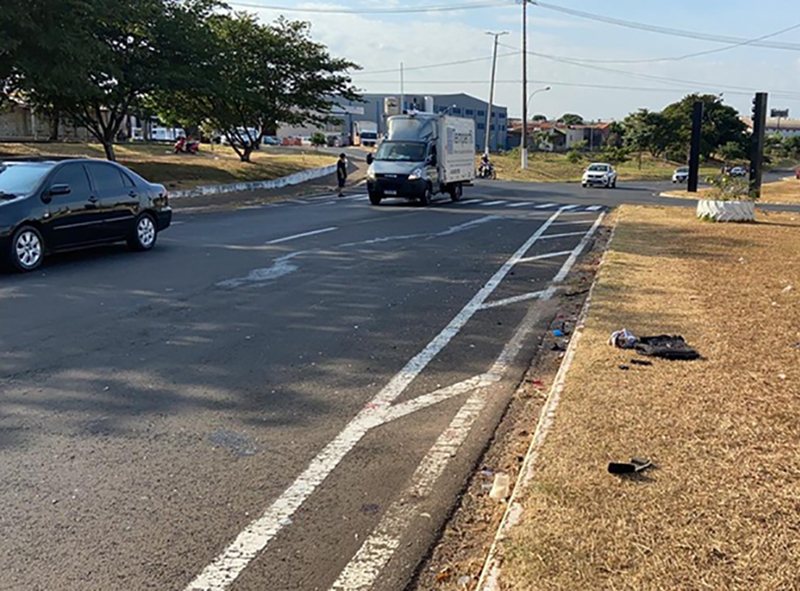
[(46, 206)]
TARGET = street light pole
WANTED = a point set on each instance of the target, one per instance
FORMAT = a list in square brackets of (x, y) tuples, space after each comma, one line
[(524, 163), (488, 133)]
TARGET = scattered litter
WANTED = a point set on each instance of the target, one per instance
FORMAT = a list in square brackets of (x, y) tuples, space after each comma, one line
[(796, 346), (788, 288), (464, 581), (666, 347), (573, 294), (558, 347), (781, 376), (635, 465), (624, 367), (623, 339), (444, 574), (500, 488), (558, 333), (538, 384), (487, 473), (370, 509), (641, 362)]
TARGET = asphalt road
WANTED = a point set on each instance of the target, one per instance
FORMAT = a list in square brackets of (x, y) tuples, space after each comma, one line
[(275, 398)]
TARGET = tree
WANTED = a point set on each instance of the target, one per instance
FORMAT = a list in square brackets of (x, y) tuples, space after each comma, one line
[(720, 125), (792, 146), (260, 76), (648, 131), (615, 155), (539, 117), (319, 140), (571, 119), (731, 151), (616, 134), (95, 60)]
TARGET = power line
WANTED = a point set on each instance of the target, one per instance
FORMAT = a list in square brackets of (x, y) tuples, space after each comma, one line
[(690, 55), (407, 10), (660, 79), (439, 65), (662, 30)]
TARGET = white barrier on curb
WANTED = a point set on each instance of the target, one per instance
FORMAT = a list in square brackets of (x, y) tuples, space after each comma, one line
[(292, 179)]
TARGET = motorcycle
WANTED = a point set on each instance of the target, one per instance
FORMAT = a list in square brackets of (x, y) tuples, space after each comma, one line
[(486, 171), (182, 145)]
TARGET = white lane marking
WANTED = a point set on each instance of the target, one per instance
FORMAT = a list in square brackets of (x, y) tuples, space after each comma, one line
[(564, 235), (405, 408), (226, 567), (489, 579), (513, 300), (523, 204), (549, 255), (365, 567), (546, 205), (303, 235), (491, 203), (177, 223), (469, 201), (566, 207), (594, 208)]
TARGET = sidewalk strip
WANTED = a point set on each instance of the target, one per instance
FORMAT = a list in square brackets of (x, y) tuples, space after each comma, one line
[(303, 235), (255, 537)]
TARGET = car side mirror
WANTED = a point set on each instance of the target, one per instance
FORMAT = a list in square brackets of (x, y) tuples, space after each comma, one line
[(370, 159), (59, 190)]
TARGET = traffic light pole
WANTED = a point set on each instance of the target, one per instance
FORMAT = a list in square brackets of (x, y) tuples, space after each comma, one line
[(694, 153), (757, 142)]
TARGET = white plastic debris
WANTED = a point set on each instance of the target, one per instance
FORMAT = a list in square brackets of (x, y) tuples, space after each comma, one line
[(500, 488), (623, 339)]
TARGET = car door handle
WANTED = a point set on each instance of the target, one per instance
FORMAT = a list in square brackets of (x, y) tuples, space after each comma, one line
[(133, 193), (93, 199)]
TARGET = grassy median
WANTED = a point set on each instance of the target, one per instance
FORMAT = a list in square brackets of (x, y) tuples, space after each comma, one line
[(212, 166), (546, 167), (721, 510), (786, 190)]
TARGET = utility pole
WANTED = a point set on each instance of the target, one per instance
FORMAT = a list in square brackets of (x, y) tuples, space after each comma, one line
[(524, 163), (757, 141), (402, 90), (694, 152), (491, 92)]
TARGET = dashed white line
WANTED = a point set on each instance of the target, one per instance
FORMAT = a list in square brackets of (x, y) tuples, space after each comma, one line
[(567, 207), (226, 567), (523, 204), (470, 201), (546, 205), (303, 235), (491, 203), (594, 208), (513, 300)]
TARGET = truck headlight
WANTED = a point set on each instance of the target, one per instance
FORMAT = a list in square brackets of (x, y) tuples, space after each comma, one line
[(370, 174), (415, 175)]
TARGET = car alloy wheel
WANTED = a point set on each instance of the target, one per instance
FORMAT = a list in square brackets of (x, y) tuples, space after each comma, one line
[(28, 249), (146, 232)]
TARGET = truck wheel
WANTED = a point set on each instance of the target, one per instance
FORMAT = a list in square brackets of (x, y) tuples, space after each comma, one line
[(374, 198), (455, 192), (426, 197)]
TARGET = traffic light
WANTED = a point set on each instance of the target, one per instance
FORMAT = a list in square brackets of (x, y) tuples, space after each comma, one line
[(757, 141)]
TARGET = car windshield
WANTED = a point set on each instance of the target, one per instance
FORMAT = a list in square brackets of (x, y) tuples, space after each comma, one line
[(401, 152), (598, 168), (21, 178), (683, 169)]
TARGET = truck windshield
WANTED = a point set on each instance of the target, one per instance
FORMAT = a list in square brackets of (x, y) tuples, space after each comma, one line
[(401, 152), (22, 178)]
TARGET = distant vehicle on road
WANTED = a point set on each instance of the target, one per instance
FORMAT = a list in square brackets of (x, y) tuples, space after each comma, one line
[(738, 171), (423, 155), (271, 140), (365, 133), (681, 175), (600, 174), (47, 206)]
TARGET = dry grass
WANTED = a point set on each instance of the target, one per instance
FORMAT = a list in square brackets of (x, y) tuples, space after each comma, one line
[(783, 191), (550, 168), (157, 163), (722, 509)]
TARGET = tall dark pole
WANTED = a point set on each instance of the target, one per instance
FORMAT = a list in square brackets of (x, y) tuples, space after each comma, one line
[(524, 146), (694, 154), (757, 142)]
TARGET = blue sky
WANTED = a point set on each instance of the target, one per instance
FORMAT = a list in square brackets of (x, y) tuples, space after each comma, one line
[(379, 42)]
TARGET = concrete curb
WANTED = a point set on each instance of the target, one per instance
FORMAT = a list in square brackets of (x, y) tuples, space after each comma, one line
[(292, 179), (490, 574)]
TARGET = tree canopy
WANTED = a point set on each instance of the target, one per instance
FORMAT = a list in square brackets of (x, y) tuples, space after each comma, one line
[(570, 119)]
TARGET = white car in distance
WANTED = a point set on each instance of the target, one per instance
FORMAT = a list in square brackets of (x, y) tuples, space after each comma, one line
[(600, 174), (681, 175)]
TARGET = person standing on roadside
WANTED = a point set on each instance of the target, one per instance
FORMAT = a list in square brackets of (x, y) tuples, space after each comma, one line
[(341, 172)]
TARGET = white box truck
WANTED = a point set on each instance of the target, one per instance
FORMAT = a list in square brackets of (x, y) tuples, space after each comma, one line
[(365, 133), (423, 154)]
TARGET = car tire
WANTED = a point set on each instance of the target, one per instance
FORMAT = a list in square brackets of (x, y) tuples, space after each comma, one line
[(584, 185), (27, 249), (614, 184), (145, 233), (455, 192), (427, 197), (374, 198)]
